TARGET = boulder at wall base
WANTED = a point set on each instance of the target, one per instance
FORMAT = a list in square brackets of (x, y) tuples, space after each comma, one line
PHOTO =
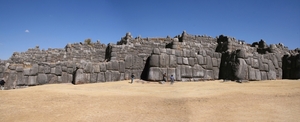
[(155, 74), (80, 77), (42, 79), (252, 75), (242, 70)]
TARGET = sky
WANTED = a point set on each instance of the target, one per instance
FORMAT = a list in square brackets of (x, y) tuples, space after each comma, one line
[(25, 24)]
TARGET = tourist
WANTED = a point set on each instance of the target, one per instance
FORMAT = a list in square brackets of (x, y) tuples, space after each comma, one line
[(132, 77), (2, 82), (172, 79)]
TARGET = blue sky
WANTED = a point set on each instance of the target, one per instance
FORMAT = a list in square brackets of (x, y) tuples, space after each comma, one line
[(55, 23)]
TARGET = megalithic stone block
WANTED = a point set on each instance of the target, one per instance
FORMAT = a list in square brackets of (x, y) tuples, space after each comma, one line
[(242, 70), (80, 77), (155, 74), (154, 61)]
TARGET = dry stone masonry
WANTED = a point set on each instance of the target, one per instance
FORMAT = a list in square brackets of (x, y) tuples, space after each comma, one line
[(187, 57)]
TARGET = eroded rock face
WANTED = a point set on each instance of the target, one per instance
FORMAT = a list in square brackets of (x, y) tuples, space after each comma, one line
[(186, 57)]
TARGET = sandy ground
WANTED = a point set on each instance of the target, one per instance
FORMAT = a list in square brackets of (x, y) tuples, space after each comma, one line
[(152, 102)]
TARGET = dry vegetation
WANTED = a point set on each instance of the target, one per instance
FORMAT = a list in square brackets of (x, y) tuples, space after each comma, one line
[(152, 102)]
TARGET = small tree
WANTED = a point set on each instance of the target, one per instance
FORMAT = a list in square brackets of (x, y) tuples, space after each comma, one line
[(88, 41)]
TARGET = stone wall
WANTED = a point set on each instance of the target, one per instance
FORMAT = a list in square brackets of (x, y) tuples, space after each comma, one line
[(187, 57)]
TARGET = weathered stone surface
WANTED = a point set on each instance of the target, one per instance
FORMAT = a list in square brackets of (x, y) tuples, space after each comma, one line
[(96, 68), (271, 75), (26, 72), (154, 61), (257, 74), (121, 66), (173, 61), (208, 65), (164, 60), (185, 61), (115, 65), (179, 60), (155, 74), (214, 62), (200, 60), (252, 75), (80, 77), (94, 77), (101, 77), (264, 76), (178, 73), (102, 67), (108, 76), (42, 79), (242, 71), (115, 75), (128, 61), (34, 70), (209, 75), (156, 51), (198, 71), (32, 80), (191, 61), (58, 70), (87, 67), (21, 79)]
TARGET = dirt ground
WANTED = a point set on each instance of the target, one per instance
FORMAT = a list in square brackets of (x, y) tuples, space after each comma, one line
[(152, 102)]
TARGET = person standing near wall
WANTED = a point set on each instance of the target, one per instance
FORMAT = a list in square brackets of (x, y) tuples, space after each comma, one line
[(132, 77), (172, 79), (2, 82)]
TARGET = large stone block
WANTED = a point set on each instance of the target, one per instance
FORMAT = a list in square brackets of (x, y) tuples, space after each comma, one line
[(209, 75), (185, 61), (155, 74), (178, 73), (178, 53), (96, 68), (198, 71), (94, 77), (187, 71), (271, 75), (115, 75), (102, 67), (108, 76), (209, 65), (154, 61), (26, 71), (179, 60), (214, 62), (32, 80), (80, 77), (242, 70), (164, 60), (216, 72), (191, 61), (19, 69), (58, 70), (65, 77), (20, 79), (52, 78), (34, 70), (47, 69), (42, 79), (87, 67), (201, 59), (186, 53), (138, 62), (173, 61), (121, 66), (156, 51), (127, 74), (258, 74), (252, 74), (101, 77), (128, 61), (264, 75), (255, 63), (115, 65)]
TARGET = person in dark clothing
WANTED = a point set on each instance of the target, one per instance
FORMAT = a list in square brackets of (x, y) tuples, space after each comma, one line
[(172, 79), (132, 77), (2, 82)]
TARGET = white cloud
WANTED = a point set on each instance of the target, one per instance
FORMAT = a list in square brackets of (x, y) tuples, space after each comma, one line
[(27, 31)]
